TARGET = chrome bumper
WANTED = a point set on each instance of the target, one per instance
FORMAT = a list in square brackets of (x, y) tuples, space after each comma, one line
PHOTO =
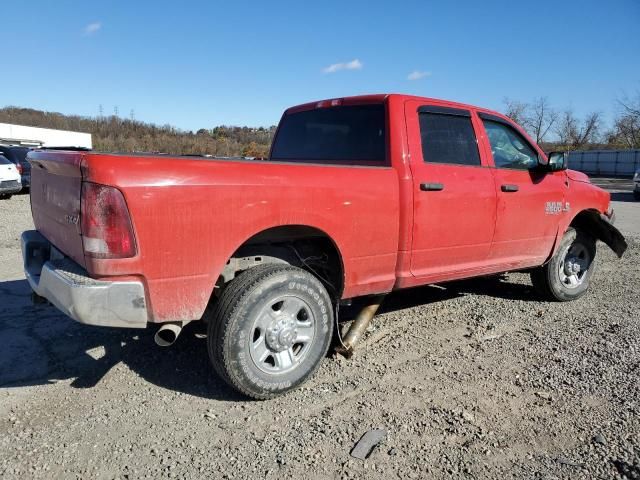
[(86, 300)]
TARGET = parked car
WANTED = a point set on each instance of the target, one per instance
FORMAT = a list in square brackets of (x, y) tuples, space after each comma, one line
[(9, 179), (18, 156), (360, 196), (636, 185)]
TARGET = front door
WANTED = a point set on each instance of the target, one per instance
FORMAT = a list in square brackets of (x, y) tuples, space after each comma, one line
[(454, 195), (529, 200)]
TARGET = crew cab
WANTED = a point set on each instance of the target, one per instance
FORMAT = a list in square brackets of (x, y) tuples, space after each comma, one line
[(360, 196)]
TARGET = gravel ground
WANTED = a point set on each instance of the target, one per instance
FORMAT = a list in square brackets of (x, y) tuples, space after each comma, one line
[(473, 379)]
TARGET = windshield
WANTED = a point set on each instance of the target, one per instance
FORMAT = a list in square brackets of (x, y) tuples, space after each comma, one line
[(347, 134)]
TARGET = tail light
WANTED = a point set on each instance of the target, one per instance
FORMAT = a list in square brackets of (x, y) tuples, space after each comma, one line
[(106, 224), (19, 168)]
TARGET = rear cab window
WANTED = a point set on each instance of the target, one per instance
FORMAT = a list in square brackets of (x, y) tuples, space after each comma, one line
[(346, 134), (447, 136)]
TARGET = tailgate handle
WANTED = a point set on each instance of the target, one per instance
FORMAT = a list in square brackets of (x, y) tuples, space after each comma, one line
[(509, 188), (431, 187)]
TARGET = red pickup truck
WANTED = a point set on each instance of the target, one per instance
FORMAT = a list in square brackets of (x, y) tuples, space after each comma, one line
[(359, 196)]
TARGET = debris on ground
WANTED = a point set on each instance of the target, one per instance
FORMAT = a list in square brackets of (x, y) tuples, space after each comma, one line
[(368, 442)]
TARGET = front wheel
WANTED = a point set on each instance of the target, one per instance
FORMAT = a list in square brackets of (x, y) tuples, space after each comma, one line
[(566, 276), (270, 330)]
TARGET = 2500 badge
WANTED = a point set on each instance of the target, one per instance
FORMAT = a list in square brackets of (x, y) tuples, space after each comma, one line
[(555, 208)]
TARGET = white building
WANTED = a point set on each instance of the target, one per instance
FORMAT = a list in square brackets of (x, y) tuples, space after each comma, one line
[(42, 137)]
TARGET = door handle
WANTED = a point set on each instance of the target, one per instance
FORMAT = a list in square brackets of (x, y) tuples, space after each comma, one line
[(509, 188), (431, 187)]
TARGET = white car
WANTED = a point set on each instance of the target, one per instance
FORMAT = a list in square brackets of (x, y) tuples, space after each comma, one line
[(9, 179), (636, 185)]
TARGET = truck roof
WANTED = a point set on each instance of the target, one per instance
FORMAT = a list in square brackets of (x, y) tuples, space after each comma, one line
[(379, 98)]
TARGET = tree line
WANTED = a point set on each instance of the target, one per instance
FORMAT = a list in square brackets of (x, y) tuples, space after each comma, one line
[(115, 134), (562, 129), (551, 128)]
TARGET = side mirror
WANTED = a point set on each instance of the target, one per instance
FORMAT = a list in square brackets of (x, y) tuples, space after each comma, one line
[(558, 161)]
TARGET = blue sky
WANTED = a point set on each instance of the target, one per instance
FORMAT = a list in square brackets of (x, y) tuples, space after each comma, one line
[(200, 64)]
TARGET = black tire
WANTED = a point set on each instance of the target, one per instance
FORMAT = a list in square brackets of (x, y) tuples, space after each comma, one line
[(555, 280), (256, 315), (636, 195), (5, 197)]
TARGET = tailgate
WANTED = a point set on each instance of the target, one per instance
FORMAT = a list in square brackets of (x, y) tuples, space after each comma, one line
[(56, 179)]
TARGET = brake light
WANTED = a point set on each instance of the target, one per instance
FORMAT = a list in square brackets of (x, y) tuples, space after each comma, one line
[(336, 102), (106, 225), (19, 168)]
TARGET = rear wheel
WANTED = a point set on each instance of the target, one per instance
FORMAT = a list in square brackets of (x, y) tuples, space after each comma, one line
[(566, 276), (5, 197), (270, 330)]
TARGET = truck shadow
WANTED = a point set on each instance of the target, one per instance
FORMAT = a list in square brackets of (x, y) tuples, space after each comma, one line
[(496, 286), (42, 346)]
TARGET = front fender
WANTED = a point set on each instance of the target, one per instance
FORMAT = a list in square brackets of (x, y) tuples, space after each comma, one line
[(601, 227)]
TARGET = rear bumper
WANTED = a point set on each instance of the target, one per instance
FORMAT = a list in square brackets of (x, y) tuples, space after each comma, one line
[(67, 286), (10, 187)]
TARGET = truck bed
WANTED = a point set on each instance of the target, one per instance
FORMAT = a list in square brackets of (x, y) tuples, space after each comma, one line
[(190, 214)]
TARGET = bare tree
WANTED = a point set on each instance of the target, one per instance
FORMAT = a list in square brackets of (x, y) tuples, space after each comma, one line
[(631, 106), (573, 133), (627, 123), (536, 118), (539, 118), (515, 110)]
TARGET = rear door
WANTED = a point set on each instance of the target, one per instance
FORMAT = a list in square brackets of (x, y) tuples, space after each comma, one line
[(454, 193), (529, 200)]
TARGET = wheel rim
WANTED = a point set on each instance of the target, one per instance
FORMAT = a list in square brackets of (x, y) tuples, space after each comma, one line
[(574, 267), (282, 334)]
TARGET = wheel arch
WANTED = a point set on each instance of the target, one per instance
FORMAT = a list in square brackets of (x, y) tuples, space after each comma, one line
[(305, 246)]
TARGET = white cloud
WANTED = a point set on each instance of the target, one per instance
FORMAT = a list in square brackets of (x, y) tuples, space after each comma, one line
[(417, 75), (92, 28), (336, 67)]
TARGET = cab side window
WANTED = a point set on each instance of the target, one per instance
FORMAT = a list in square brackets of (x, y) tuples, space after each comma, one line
[(509, 148), (448, 138)]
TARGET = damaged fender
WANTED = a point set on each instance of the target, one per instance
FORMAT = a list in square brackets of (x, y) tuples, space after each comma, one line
[(600, 226)]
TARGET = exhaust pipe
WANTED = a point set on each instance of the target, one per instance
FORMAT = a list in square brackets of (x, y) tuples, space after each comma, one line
[(168, 333), (359, 326)]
